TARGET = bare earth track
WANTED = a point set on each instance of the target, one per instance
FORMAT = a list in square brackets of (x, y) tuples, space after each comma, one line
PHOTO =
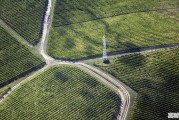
[(124, 95), (121, 90)]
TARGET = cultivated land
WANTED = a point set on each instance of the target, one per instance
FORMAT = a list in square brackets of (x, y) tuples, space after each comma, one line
[(15, 58), (129, 28), (73, 11), (61, 92), (67, 92), (155, 77), (25, 17)]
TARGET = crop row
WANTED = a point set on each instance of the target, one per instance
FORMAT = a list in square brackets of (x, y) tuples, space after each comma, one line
[(155, 76), (122, 32), (25, 17), (73, 11), (15, 58), (61, 92)]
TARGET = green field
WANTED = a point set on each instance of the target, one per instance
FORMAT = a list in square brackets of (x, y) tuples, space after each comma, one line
[(155, 76), (15, 58), (67, 12), (66, 92), (24, 16), (62, 92), (122, 32)]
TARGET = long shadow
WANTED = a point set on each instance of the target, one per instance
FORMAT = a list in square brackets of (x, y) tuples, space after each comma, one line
[(90, 54), (125, 13), (145, 98), (87, 37), (117, 37), (77, 8), (23, 74), (140, 49)]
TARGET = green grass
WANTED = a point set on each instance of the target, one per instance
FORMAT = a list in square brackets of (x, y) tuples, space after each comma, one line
[(67, 12), (2, 90), (155, 76), (62, 92), (15, 34), (24, 16), (15, 58), (122, 32)]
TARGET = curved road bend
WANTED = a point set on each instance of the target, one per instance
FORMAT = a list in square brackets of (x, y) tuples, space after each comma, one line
[(125, 97), (124, 94)]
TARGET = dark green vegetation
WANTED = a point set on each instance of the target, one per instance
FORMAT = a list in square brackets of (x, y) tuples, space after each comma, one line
[(73, 11), (14, 57), (24, 16), (61, 93), (155, 76), (122, 32)]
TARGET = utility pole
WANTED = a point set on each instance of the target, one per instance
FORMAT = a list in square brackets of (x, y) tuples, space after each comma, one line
[(105, 58)]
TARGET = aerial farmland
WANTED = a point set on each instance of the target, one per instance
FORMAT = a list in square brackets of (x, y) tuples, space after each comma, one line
[(89, 59)]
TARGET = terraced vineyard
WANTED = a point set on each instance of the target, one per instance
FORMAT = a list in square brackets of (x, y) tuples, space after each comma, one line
[(155, 76), (15, 58), (24, 16), (62, 92), (122, 32)]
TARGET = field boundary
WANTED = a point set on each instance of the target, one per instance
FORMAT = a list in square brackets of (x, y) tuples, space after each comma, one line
[(121, 52), (11, 89), (23, 74), (123, 93), (121, 90), (20, 39), (95, 19), (15, 34)]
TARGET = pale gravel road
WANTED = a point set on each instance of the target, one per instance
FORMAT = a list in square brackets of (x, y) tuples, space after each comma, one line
[(124, 95), (122, 92)]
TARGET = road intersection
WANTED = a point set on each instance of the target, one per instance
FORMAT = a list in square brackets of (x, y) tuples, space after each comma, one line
[(122, 92), (120, 89)]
